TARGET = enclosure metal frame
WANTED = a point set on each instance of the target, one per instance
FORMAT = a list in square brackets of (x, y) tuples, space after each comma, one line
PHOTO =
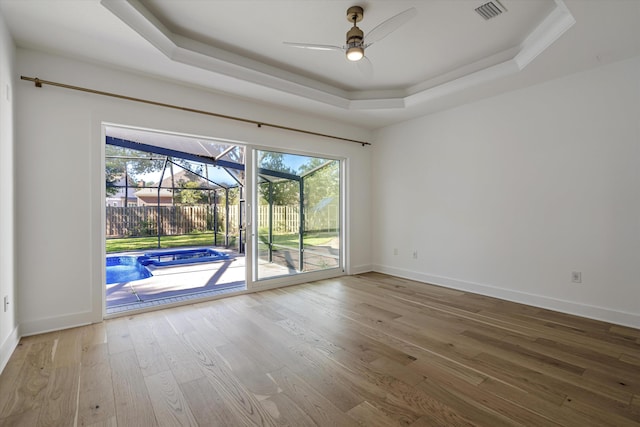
[(169, 155), (266, 174), (263, 173)]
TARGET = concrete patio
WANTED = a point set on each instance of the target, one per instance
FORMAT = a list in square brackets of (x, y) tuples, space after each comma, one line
[(173, 284), (177, 283)]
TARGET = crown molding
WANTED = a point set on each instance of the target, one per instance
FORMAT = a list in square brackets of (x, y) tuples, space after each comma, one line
[(187, 51)]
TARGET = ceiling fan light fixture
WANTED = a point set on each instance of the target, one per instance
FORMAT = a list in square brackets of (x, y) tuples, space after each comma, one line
[(355, 53), (355, 49)]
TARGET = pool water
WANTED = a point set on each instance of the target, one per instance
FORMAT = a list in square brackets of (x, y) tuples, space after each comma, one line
[(125, 269), (164, 258)]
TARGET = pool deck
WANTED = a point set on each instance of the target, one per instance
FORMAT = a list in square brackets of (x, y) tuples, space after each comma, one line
[(173, 284), (177, 283)]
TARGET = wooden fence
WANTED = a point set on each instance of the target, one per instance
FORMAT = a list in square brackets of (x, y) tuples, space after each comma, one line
[(136, 221), (286, 219)]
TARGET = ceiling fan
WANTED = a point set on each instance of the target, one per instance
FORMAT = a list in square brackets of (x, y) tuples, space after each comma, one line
[(357, 41)]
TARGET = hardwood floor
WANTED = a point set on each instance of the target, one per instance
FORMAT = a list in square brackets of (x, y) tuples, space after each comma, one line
[(369, 350)]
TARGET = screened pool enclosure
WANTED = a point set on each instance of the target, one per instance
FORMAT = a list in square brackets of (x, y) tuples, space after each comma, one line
[(165, 190)]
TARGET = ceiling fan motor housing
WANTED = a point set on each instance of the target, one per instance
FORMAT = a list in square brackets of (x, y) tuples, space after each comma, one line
[(355, 36)]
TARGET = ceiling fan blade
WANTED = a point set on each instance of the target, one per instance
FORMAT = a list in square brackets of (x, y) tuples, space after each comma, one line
[(366, 67), (390, 25), (314, 46)]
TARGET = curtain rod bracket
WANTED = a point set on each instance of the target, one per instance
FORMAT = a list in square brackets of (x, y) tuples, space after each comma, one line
[(37, 82)]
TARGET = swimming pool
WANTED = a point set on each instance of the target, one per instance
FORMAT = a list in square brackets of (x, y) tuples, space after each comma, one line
[(181, 256), (125, 269), (129, 268)]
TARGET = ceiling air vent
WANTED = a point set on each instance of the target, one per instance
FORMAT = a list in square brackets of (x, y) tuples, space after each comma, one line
[(490, 10)]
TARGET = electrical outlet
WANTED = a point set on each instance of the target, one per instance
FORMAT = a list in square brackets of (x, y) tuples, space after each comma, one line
[(415, 254), (395, 251), (576, 276), (6, 303)]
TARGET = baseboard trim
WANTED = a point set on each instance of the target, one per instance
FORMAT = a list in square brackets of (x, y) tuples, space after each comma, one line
[(569, 307), (50, 324), (7, 348), (359, 269)]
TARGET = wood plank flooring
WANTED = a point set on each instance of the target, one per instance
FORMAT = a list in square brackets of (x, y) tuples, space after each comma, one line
[(370, 350)]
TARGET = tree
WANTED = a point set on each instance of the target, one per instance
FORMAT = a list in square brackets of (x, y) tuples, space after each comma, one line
[(321, 181), (188, 194), (113, 172), (121, 162), (283, 191), (321, 193)]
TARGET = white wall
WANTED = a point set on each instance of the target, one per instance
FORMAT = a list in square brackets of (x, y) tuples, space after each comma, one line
[(59, 253), (509, 195), (8, 323)]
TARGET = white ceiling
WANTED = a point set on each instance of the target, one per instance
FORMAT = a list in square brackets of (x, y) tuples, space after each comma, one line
[(446, 55)]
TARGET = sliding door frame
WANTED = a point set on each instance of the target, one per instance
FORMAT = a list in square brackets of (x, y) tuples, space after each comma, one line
[(254, 283)]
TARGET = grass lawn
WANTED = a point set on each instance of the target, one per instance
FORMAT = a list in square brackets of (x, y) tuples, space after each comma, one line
[(291, 240), (206, 239), (138, 243)]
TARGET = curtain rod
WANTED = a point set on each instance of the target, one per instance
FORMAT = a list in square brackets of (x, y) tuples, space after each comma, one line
[(39, 82)]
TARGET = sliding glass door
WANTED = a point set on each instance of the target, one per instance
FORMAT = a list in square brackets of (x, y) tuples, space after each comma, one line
[(297, 210), (192, 217)]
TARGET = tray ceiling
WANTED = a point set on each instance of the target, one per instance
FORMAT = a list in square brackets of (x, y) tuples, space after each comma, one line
[(446, 55)]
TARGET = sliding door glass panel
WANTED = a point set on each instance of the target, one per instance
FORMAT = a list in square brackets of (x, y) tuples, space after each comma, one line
[(298, 214)]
